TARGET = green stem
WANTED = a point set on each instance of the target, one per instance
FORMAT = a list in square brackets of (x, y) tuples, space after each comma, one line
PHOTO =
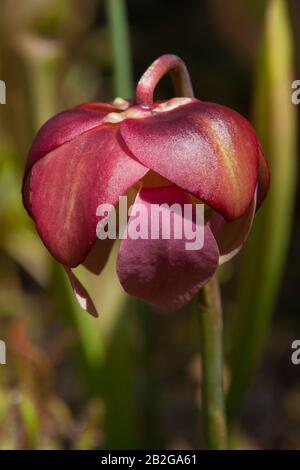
[(122, 415), (118, 28), (213, 406), (264, 256)]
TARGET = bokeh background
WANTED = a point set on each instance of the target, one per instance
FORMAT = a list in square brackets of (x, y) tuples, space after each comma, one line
[(132, 378)]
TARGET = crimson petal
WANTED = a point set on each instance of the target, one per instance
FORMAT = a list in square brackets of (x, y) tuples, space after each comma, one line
[(98, 255), (81, 294), (162, 271), (263, 178), (68, 184), (64, 127), (207, 149), (230, 236)]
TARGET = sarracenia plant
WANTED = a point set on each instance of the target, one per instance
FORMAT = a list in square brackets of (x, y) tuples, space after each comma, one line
[(168, 154)]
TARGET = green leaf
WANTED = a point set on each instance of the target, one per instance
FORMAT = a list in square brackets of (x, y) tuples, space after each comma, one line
[(265, 254), (30, 421), (118, 28)]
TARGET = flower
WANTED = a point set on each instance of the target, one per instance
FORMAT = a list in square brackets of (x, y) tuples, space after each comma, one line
[(177, 151)]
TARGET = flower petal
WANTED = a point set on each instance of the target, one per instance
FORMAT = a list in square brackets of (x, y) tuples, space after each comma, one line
[(65, 126), (263, 178), (81, 294), (230, 236), (207, 149), (162, 271), (68, 184), (98, 255)]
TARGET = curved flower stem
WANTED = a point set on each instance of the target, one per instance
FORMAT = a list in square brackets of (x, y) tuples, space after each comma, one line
[(160, 67), (213, 406)]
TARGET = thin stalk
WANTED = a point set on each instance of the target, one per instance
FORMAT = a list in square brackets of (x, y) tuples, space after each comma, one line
[(213, 405), (120, 365), (118, 28), (264, 257)]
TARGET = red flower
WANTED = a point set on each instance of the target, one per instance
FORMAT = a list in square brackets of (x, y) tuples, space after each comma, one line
[(174, 151)]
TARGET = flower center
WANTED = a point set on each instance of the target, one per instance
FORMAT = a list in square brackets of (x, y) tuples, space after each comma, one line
[(137, 112)]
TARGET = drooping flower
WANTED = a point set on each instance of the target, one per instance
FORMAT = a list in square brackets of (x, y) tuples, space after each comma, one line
[(177, 151)]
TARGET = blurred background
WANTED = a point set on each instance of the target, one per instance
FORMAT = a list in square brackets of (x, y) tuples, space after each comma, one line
[(131, 379)]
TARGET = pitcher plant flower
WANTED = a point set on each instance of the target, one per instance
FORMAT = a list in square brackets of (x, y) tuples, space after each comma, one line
[(176, 151)]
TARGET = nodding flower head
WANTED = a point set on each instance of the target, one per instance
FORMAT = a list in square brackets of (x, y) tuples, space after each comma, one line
[(180, 151)]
